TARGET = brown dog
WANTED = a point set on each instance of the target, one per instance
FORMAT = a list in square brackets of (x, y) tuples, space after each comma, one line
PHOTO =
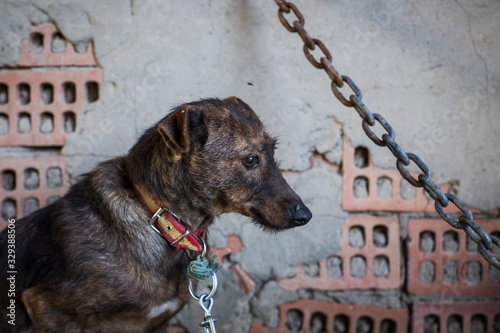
[(90, 262)]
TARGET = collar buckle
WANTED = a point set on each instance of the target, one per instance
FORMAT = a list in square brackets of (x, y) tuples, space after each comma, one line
[(155, 217), (178, 240), (172, 230)]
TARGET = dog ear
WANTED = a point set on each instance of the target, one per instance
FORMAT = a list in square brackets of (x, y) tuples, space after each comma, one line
[(184, 128), (239, 102), (244, 107)]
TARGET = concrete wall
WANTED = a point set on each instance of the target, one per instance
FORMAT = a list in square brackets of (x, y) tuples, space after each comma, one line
[(432, 69)]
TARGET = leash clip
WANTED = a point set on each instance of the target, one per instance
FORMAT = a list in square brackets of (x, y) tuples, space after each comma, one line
[(208, 322)]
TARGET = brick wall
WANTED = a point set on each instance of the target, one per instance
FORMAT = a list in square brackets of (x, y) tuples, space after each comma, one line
[(41, 97), (430, 267)]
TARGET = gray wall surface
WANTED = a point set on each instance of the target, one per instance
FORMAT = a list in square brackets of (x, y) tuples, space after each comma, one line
[(431, 68)]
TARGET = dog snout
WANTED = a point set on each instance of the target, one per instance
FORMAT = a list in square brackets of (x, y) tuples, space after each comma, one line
[(300, 213)]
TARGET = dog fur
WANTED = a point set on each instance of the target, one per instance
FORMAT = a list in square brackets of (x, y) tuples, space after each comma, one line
[(90, 262)]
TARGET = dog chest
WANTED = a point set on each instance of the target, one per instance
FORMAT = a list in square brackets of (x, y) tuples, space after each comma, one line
[(171, 306)]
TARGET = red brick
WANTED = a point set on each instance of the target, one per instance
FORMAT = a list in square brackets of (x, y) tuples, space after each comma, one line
[(466, 310), (369, 251), (46, 58), (234, 245), (243, 281), (43, 192), (13, 109), (57, 76), (330, 310), (372, 202), (439, 257)]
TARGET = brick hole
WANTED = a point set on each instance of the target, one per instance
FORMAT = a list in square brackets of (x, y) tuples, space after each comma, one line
[(454, 187), (9, 210), (493, 274), (334, 267), (92, 89), (427, 243), (4, 123), (358, 266), (450, 272), (496, 249), (69, 92), (311, 269), (46, 123), (4, 94), (357, 236), (496, 324), (81, 47), (470, 245), (54, 177), (9, 180), (318, 322), (380, 236), (478, 323), (294, 320), (24, 123), (407, 190), (31, 179), (381, 266), (361, 157), (58, 43), (30, 205), (361, 187), (36, 43), (384, 188), (450, 241), (431, 324), (388, 326), (364, 325), (454, 324), (47, 91), (69, 119), (24, 93), (427, 272), (341, 324), (52, 199), (473, 272)]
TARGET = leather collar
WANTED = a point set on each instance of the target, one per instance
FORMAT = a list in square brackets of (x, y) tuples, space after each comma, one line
[(168, 225)]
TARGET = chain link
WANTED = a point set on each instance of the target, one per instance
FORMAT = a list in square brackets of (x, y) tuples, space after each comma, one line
[(465, 221)]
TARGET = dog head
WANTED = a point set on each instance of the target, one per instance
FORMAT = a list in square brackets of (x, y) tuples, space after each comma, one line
[(229, 160)]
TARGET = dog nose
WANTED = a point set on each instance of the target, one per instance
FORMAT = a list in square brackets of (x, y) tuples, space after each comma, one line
[(300, 214)]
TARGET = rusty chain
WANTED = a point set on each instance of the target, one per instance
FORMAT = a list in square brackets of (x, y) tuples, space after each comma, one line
[(465, 221)]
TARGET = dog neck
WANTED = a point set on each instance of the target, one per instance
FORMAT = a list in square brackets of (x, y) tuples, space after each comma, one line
[(168, 225)]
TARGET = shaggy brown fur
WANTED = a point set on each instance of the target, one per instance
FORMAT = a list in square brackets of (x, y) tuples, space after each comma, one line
[(90, 262)]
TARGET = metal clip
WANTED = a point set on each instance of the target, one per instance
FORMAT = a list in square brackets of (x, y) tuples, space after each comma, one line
[(208, 322), (155, 217)]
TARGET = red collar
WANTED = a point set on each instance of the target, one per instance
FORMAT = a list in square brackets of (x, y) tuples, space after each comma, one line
[(168, 225)]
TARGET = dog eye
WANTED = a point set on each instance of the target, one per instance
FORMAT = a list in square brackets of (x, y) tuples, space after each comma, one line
[(251, 162)]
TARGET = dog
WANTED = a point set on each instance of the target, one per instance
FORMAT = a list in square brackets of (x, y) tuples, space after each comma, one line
[(92, 262)]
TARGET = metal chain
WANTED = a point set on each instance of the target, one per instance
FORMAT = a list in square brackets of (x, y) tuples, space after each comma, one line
[(465, 221)]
